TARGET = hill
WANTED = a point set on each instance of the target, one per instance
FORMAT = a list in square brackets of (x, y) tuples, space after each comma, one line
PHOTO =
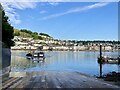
[(29, 34)]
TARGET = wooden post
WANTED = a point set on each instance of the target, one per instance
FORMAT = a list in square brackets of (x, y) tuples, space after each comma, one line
[(100, 60), (100, 51)]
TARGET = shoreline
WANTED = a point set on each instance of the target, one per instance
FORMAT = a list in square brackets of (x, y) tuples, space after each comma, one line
[(109, 82), (100, 79), (64, 50)]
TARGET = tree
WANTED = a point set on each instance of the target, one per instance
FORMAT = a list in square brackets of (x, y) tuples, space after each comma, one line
[(7, 30), (44, 34), (16, 33), (35, 33), (26, 31)]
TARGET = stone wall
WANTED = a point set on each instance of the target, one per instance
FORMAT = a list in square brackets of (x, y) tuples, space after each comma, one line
[(6, 60)]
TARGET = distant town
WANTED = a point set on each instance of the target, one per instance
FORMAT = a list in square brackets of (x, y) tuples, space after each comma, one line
[(42, 41)]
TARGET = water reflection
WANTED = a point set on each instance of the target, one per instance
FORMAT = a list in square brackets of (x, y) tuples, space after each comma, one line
[(84, 62)]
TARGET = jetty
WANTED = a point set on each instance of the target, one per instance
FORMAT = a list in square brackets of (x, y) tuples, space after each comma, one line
[(52, 79)]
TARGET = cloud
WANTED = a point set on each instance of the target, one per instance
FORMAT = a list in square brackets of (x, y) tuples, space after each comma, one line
[(43, 12), (53, 3), (10, 9), (85, 8)]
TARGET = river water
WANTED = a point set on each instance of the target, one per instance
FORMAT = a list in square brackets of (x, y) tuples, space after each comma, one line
[(68, 61)]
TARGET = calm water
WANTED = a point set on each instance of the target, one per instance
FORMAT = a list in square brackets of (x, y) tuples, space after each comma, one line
[(84, 62)]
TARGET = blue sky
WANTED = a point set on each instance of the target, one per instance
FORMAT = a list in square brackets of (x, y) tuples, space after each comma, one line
[(67, 20)]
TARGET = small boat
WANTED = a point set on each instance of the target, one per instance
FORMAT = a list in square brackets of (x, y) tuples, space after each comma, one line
[(108, 60), (28, 55), (111, 61), (39, 55), (36, 56)]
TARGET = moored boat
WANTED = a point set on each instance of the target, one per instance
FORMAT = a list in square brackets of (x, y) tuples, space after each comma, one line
[(39, 54), (29, 55), (36, 56), (109, 60)]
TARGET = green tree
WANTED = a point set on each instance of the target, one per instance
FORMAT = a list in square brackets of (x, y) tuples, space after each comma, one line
[(16, 33), (35, 33), (7, 30), (26, 31), (44, 34)]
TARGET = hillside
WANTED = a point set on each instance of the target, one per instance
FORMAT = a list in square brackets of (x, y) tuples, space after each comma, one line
[(29, 34)]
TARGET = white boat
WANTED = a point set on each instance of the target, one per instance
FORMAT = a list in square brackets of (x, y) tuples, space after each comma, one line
[(38, 56), (109, 60)]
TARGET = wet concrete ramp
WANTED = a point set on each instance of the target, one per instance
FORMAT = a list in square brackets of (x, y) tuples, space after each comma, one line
[(36, 80)]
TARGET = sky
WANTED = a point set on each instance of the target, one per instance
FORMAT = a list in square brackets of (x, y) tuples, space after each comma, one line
[(66, 20)]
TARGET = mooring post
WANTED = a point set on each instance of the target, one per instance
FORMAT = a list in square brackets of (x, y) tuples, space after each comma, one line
[(100, 51), (100, 60)]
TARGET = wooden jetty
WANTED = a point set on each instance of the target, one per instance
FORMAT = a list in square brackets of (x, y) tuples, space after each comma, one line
[(35, 80)]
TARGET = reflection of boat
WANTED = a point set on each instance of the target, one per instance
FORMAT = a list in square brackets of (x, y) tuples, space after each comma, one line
[(109, 60), (37, 59)]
